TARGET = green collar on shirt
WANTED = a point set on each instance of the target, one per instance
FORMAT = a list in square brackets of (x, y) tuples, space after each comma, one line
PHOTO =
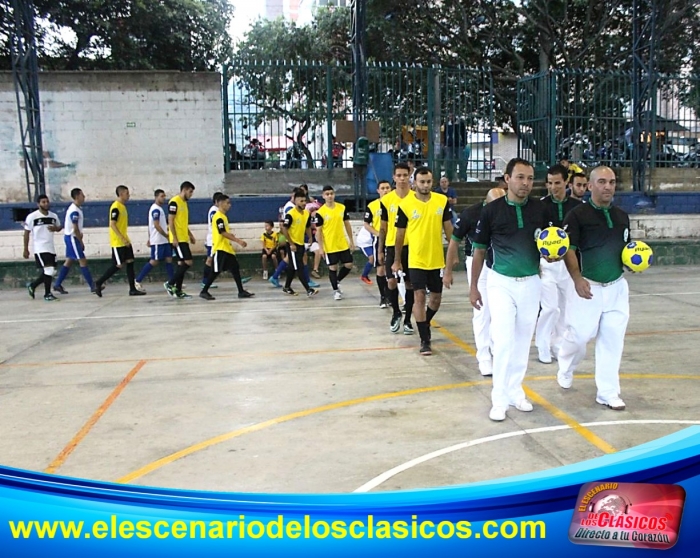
[(606, 212)]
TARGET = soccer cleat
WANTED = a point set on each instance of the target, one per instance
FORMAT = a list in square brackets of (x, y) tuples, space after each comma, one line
[(565, 380), (136, 292), (366, 280), (408, 329), (383, 303), (206, 296), (60, 289), (615, 403), (289, 291), (523, 405), (274, 282), (245, 279), (425, 349), (30, 290), (50, 298), (311, 292), (139, 287), (265, 275), (181, 295), (170, 289), (313, 284), (337, 295), (245, 294), (497, 414), (395, 323), (98, 289)]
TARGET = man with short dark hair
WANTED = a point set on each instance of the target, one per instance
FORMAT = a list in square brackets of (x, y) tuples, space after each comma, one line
[(157, 239), (207, 243), (42, 224), (297, 224), (75, 247), (180, 238), (578, 186)]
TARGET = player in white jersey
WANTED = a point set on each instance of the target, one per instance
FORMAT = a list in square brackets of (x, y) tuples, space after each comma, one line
[(207, 264), (75, 246), (161, 249), (42, 224)]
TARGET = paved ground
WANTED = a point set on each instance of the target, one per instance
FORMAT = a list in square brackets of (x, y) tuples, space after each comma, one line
[(296, 395)]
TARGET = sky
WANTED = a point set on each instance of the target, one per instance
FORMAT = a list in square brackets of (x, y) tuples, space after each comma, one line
[(246, 11)]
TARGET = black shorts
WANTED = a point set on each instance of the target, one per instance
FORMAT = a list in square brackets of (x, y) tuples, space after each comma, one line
[(182, 252), (426, 278), (296, 259), (45, 259), (334, 258), (272, 253), (122, 254), (389, 261), (224, 261)]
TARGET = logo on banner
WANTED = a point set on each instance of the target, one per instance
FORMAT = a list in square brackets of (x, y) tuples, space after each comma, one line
[(634, 515)]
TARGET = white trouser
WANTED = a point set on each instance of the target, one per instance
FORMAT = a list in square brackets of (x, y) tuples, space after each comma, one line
[(514, 304), (557, 285), (605, 317), (481, 319)]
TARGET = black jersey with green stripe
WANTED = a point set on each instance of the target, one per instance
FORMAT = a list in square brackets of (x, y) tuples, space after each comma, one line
[(598, 234), (557, 210), (466, 225), (510, 230)]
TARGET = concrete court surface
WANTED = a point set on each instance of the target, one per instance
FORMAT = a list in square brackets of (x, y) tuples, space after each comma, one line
[(289, 394)]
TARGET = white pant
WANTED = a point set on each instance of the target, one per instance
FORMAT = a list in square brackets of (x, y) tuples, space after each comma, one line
[(514, 304), (605, 317), (481, 319), (557, 286)]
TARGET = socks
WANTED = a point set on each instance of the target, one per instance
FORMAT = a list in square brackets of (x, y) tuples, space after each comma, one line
[(343, 273), (130, 275), (88, 277), (394, 300), (367, 269), (180, 275), (382, 285), (62, 275), (145, 270), (307, 277), (333, 276), (206, 273), (409, 305), (47, 284), (423, 331), (280, 269), (107, 274), (429, 315)]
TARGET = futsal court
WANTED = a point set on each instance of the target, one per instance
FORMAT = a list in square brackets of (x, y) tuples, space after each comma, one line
[(290, 394)]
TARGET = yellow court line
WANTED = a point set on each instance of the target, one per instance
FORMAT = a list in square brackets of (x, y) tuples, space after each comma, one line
[(70, 447), (456, 340)]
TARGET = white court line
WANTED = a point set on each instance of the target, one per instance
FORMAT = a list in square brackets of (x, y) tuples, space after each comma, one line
[(665, 294), (380, 479)]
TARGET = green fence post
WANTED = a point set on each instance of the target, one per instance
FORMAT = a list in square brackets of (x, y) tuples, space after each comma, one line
[(552, 118), (329, 118), (227, 142)]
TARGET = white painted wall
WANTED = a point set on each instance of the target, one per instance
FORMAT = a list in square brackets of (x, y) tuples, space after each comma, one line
[(100, 129)]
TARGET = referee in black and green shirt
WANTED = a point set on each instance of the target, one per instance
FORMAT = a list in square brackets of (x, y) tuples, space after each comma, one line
[(598, 232)]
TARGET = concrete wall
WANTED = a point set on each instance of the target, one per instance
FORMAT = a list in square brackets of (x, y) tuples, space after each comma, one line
[(102, 129)]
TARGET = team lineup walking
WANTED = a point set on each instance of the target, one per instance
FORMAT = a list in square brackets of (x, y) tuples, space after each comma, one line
[(563, 302)]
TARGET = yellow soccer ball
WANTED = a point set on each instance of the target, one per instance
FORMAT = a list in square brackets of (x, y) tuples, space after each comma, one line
[(637, 256), (553, 243)]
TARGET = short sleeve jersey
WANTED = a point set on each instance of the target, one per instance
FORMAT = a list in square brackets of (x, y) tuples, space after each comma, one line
[(42, 238), (219, 225), (510, 230), (74, 215), (118, 214), (177, 207), (557, 210), (210, 215), (332, 222), (269, 240), (466, 226), (297, 222), (390, 208), (598, 234), (373, 215), (156, 214), (423, 221)]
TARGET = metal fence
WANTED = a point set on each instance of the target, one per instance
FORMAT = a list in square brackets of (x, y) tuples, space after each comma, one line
[(586, 117), (281, 114)]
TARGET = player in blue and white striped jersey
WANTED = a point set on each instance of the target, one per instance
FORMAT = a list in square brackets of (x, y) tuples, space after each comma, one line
[(161, 249)]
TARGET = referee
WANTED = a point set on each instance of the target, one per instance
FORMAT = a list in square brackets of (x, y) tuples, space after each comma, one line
[(509, 227), (598, 232)]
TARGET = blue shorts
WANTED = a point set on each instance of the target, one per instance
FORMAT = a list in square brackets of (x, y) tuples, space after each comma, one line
[(161, 251), (368, 251), (74, 249)]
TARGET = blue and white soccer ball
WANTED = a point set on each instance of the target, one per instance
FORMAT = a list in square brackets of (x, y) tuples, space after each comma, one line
[(637, 256), (553, 243)]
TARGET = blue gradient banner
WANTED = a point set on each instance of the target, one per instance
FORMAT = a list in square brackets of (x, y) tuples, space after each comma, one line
[(46, 515)]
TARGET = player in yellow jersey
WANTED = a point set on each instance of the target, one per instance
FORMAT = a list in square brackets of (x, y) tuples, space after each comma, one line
[(180, 237), (122, 252), (422, 219), (296, 224), (369, 236), (387, 239), (270, 245), (222, 253), (332, 233)]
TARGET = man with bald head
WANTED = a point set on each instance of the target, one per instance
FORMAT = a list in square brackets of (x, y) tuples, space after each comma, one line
[(465, 227), (598, 232)]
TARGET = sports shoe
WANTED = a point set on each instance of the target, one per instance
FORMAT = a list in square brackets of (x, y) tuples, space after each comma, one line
[(366, 280), (139, 287), (206, 295), (245, 279), (30, 290), (315, 274), (425, 349), (395, 323), (274, 282), (203, 284), (60, 289), (615, 403), (136, 292), (289, 291), (383, 303), (314, 284), (545, 357), (340, 289), (486, 368), (245, 294), (408, 329), (265, 275), (170, 289), (181, 295), (523, 405), (337, 295), (565, 380), (50, 298), (497, 414), (98, 289), (311, 292)]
